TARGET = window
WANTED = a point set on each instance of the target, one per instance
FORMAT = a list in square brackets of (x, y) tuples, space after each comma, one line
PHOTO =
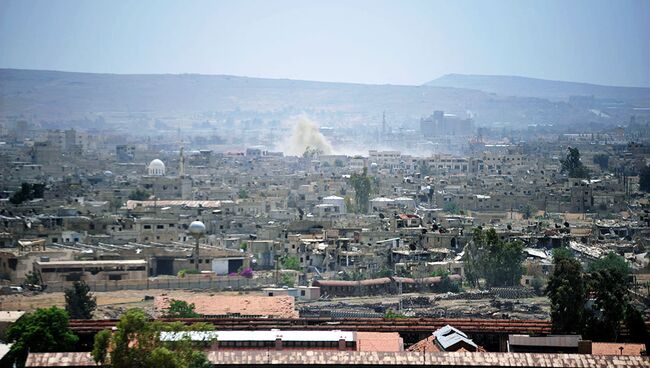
[(114, 277), (73, 277), (160, 226), (147, 227)]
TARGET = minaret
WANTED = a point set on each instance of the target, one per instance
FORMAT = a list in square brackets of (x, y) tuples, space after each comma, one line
[(181, 165), (383, 124)]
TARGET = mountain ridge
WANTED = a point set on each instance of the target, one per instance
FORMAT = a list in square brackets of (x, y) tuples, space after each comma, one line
[(511, 85)]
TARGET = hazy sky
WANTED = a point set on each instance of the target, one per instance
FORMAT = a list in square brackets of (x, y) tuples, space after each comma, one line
[(397, 42)]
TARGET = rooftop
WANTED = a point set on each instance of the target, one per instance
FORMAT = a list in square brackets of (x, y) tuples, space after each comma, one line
[(10, 316), (443, 359), (613, 348), (272, 306), (94, 263), (269, 335)]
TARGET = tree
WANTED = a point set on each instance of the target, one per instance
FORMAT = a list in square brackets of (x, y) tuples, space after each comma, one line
[(115, 204), (537, 285), (198, 359), (573, 166), (384, 272), (528, 210), (291, 263), (27, 192), (498, 262), (391, 314), (362, 185), (181, 309), (644, 179), (610, 301), (566, 290), (44, 330), (562, 253), (287, 280), (612, 262), (79, 302), (139, 195), (451, 207), (32, 278), (136, 343), (602, 160), (608, 283), (349, 206), (425, 170), (471, 258), (243, 193), (447, 285), (101, 345), (636, 325)]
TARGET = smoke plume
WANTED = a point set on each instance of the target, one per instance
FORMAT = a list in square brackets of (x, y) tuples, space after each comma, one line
[(305, 134)]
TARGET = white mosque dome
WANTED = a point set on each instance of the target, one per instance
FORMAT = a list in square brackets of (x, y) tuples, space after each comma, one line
[(156, 167)]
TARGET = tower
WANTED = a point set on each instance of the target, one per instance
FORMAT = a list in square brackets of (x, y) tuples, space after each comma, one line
[(181, 164)]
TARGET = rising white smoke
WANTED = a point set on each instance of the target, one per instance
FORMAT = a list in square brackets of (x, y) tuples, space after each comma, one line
[(305, 134)]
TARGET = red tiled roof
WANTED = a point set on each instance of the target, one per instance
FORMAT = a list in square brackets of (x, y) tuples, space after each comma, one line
[(405, 216), (442, 359), (427, 345), (343, 358)]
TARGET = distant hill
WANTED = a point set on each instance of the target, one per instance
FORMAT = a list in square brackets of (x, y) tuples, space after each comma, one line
[(61, 94), (542, 88), (56, 96)]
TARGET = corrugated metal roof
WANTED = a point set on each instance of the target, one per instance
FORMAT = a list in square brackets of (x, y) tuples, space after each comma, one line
[(449, 336)]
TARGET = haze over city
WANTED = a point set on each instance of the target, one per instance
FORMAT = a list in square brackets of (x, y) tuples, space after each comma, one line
[(192, 184)]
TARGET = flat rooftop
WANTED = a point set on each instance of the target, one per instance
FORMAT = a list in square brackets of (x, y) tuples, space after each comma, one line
[(271, 306), (10, 316), (270, 335), (93, 263)]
